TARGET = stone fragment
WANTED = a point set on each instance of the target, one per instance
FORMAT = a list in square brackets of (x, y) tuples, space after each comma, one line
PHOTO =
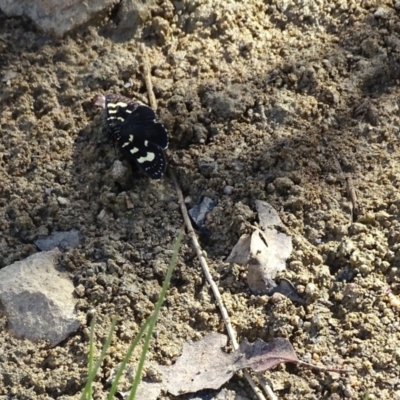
[(37, 299), (56, 16), (62, 240)]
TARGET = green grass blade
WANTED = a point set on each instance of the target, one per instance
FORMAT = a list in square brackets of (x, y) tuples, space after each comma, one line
[(127, 358), (93, 372), (153, 318), (91, 353)]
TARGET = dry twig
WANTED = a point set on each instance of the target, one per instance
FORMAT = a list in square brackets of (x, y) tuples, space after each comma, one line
[(351, 192), (214, 288), (196, 245), (140, 97), (147, 78)]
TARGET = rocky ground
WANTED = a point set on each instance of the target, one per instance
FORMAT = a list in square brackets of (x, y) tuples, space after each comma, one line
[(283, 101)]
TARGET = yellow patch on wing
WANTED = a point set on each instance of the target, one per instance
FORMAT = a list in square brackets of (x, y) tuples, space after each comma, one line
[(147, 157)]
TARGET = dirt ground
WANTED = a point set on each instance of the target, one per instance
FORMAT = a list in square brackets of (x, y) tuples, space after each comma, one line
[(287, 102)]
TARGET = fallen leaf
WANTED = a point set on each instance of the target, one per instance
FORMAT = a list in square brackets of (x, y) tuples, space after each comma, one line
[(264, 251), (146, 391), (268, 253), (203, 365), (240, 254), (261, 356), (267, 215)]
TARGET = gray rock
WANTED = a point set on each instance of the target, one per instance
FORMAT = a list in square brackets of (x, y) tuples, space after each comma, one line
[(62, 240), (118, 170), (55, 15), (37, 299), (200, 211), (131, 15)]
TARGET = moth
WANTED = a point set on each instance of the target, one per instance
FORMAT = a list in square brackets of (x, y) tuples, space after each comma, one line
[(134, 127)]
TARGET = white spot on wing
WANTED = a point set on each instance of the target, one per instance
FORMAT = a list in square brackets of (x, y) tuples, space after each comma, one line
[(135, 150), (119, 104), (146, 143), (128, 143), (147, 157)]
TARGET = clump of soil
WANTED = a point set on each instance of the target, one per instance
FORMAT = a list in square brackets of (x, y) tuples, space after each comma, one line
[(266, 99)]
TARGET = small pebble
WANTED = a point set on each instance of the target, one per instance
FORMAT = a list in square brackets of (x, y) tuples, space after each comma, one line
[(314, 383), (382, 12), (394, 301), (310, 289), (129, 203), (331, 179), (118, 170), (365, 269), (128, 84), (101, 215), (228, 189), (62, 201), (277, 298), (80, 290), (295, 321), (270, 188)]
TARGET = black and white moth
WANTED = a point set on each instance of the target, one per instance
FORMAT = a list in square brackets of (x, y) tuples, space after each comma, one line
[(134, 127)]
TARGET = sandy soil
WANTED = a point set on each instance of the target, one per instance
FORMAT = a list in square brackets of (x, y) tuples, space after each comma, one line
[(279, 101)]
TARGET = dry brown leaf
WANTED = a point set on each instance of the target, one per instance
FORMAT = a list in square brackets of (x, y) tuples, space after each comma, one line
[(146, 391), (240, 254), (264, 251), (267, 215), (203, 365), (261, 356)]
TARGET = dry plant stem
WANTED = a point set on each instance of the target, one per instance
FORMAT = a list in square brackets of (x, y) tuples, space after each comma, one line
[(203, 262), (265, 385), (351, 192), (321, 368), (140, 97), (214, 288), (256, 390), (147, 78), (192, 234)]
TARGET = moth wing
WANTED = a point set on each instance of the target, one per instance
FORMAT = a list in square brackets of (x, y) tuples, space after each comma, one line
[(147, 155), (147, 130)]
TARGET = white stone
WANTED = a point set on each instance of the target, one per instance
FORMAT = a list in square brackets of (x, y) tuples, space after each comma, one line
[(37, 299)]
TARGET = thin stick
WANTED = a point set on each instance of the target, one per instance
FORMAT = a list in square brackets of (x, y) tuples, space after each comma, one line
[(322, 368), (196, 245), (203, 262), (351, 192), (140, 97), (147, 78), (214, 288)]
